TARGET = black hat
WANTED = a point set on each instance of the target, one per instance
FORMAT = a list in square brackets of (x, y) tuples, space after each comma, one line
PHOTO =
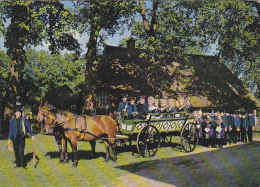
[(142, 97), (132, 98), (18, 109), (124, 96)]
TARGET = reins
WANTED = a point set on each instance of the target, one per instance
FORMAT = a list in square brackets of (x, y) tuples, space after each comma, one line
[(66, 122), (46, 114)]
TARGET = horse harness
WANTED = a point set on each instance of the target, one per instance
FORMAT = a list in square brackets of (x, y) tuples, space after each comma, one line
[(72, 129)]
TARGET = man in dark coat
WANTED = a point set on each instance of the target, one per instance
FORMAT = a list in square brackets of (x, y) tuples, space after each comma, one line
[(123, 105), (142, 108), (251, 124), (244, 127), (131, 110), (17, 131), (212, 132), (237, 128), (227, 122)]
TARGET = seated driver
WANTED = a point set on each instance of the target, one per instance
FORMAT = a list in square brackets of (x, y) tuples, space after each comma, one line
[(142, 108), (131, 110)]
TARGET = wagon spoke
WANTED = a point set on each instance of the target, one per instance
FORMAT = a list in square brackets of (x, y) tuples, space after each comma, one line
[(189, 139), (148, 141)]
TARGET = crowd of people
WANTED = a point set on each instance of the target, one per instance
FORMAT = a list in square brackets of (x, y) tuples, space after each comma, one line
[(215, 129), (218, 129), (129, 109)]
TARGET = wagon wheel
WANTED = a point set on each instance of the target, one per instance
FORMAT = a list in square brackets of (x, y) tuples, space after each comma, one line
[(189, 137), (148, 141)]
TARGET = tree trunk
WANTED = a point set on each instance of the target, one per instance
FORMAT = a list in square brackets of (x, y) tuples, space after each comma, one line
[(89, 88), (149, 28), (15, 41)]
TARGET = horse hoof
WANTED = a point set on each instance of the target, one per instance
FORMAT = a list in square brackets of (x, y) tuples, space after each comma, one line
[(61, 161), (66, 162), (74, 165), (93, 155), (113, 160)]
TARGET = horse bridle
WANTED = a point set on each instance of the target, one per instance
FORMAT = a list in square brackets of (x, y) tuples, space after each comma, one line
[(46, 115)]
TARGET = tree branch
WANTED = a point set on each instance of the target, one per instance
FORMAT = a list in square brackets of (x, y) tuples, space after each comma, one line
[(154, 17), (145, 21)]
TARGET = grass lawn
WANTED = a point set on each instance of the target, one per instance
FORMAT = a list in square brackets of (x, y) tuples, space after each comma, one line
[(236, 165)]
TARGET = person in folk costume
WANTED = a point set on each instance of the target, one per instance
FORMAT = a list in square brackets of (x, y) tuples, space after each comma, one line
[(232, 128), (236, 128), (182, 105), (175, 109), (243, 126), (220, 131), (172, 107), (188, 107), (207, 130), (239, 128), (202, 128), (226, 120), (156, 104), (142, 108), (251, 124), (163, 106), (170, 104), (212, 132), (131, 110), (151, 103), (177, 106), (246, 125), (123, 105), (17, 131), (199, 121)]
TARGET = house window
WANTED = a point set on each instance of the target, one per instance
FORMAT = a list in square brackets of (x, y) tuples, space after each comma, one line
[(102, 100)]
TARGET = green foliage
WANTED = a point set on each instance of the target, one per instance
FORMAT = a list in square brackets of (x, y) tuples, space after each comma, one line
[(31, 22), (106, 15), (55, 23), (192, 26), (47, 72), (4, 69)]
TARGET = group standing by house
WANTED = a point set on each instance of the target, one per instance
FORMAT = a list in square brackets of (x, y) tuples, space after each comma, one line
[(221, 128)]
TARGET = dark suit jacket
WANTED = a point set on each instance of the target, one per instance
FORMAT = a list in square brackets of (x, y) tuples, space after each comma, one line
[(130, 109), (13, 128), (121, 106)]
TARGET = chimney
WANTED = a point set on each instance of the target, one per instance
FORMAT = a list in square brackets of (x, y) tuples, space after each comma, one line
[(130, 43)]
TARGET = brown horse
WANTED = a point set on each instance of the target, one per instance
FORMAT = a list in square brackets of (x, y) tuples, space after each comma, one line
[(60, 139), (80, 128)]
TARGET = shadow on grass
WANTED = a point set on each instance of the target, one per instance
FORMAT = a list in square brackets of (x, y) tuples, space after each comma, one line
[(238, 165), (123, 148), (82, 155), (29, 156)]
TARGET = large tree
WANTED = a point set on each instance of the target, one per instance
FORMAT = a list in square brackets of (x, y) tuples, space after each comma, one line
[(193, 27), (92, 17), (30, 23)]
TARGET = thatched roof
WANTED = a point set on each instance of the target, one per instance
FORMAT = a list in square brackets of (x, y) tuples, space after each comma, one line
[(204, 80)]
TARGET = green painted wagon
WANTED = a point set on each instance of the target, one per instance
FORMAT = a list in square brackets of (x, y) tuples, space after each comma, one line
[(148, 133)]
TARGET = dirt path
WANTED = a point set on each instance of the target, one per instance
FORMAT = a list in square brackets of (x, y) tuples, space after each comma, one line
[(235, 165)]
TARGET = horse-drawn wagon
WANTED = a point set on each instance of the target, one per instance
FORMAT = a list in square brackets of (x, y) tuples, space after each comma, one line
[(150, 132)]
